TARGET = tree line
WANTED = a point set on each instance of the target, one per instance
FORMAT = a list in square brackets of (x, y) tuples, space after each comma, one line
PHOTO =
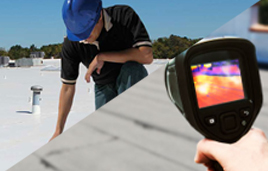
[(167, 48), (17, 51), (163, 48)]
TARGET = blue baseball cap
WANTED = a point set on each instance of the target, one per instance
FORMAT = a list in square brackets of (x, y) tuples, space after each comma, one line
[(80, 17)]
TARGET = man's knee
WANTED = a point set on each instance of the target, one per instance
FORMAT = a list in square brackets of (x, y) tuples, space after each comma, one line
[(134, 68), (130, 74), (104, 93)]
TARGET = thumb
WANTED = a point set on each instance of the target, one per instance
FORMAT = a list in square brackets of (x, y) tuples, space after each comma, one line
[(98, 70)]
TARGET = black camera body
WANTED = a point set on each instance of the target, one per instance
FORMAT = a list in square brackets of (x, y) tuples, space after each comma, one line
[(216, 86)]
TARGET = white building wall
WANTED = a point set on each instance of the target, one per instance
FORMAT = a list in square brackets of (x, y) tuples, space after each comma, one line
[(28, 62)]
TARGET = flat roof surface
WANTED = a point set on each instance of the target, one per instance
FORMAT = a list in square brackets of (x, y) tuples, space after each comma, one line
[(139, 130), (23, 133)]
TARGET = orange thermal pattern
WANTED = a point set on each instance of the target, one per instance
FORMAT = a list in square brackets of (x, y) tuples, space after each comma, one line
[(213, 90)]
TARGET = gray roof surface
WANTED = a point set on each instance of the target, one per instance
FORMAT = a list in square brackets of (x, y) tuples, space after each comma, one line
[(139, 130)]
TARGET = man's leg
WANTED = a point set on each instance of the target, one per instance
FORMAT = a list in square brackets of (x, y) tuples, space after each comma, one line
[(130, 74), (104, 93)]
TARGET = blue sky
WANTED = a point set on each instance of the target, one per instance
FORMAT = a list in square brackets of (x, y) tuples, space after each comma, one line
[(27, 22)]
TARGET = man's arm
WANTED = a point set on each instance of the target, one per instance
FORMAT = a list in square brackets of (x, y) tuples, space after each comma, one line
[(65, 103), (143, 55)]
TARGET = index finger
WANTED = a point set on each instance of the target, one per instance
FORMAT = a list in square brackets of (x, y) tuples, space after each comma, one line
[(208, 150)]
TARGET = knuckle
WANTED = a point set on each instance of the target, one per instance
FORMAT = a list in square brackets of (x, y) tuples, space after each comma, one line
[(257, 132), (201, 143), (261, 133)]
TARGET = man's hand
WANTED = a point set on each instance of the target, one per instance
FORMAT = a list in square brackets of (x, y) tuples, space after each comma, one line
[(248, 154), (54, 136), (143, 55), (95, 64)]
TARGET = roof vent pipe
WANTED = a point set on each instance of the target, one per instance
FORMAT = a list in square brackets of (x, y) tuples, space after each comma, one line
[(36, 99)]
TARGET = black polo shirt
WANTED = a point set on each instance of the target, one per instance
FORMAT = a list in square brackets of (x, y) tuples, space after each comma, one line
[(122, 30)]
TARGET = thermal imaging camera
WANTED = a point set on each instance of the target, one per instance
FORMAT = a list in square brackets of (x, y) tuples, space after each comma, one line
[(216, 86)]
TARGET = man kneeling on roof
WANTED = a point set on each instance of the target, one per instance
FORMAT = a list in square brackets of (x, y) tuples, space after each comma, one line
[(111, 42)]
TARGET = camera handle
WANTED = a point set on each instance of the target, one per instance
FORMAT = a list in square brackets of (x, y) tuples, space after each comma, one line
[(216, 166)]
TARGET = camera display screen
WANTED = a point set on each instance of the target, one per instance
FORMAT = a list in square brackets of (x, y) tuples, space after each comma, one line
[(217, 82)]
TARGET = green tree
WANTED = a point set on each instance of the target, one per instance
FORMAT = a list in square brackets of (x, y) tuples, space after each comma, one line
[(3, 52), (33, 48), (17, 52), (52, 50)]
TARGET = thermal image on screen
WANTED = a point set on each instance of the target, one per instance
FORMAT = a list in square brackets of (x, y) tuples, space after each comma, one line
[(217, 82)]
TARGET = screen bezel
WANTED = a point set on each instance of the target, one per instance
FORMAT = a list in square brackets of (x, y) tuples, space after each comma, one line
[(219, 109)]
